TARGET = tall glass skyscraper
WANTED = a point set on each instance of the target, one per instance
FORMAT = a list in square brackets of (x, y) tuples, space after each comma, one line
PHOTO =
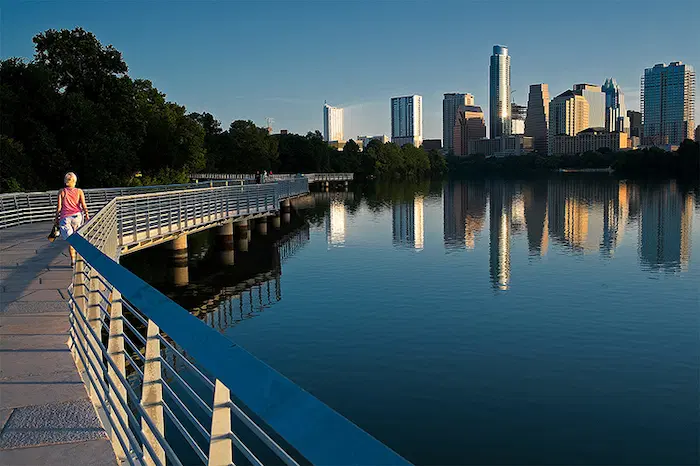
[(615, 111), (668, 103), (332, 123), (499, 93), (407, 120)]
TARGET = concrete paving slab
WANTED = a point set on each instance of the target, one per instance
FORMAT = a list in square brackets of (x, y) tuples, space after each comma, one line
[(30, 308), (69, 421), (59, 386), (41, 295), (92, 453)]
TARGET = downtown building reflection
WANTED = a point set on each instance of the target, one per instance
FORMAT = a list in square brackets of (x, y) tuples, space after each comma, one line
[(408, 229), (579, 215)]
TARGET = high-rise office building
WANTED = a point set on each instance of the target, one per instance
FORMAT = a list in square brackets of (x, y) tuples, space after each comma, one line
[(469, 125), (332, 123), (537, 119), (450, 103), (499, 92), (615, 111), (596, 103), (635, 119), (668, 103), (407, 120), (568, 114), (517, 114)]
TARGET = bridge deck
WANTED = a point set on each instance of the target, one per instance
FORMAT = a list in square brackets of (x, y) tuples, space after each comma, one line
[(46, 416)]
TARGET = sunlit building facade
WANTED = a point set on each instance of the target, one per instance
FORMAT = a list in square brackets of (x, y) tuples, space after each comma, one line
[(596, 103), (568, 115), (591, 139), (451, 103), (407, 120), (518, 115), (332, 123), (468, 126), (668, 104), (499, 92), (615, 111)]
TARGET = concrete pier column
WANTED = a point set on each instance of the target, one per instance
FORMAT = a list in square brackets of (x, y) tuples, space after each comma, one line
[(177, 261), (262, 226), (224, 243), (242, 235), (251, 226), (286, 209), (276, 222)]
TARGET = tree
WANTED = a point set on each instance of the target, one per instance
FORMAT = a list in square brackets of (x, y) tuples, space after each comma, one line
[(77, 61)]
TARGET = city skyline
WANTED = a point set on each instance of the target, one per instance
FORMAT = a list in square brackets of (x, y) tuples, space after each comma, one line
[(249, 84)]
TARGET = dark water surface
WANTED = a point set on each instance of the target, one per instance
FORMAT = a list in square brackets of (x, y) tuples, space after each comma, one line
[(483, 322)]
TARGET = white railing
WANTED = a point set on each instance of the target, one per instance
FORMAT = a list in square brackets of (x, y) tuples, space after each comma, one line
[(20, 208), (148, 363), (312, 177)]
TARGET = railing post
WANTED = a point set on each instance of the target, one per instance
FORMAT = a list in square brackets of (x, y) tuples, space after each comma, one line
[(94, 319), (79, 295), (221, 446), (152, 394), (115, 348)]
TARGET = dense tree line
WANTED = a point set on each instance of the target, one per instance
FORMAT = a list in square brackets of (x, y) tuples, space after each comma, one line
[(654, 162), (74, 107)]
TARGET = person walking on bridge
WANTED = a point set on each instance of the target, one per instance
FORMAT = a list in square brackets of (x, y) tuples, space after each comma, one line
[(70, 209)]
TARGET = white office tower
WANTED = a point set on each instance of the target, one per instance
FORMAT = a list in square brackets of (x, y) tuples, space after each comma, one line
[(407, 120), (332, 123)]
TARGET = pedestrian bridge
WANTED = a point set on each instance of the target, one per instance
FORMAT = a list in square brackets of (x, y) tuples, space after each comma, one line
[(312, 177), (168, 388)]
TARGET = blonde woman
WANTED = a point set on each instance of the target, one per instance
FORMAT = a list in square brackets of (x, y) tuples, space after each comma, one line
[(70, 209)]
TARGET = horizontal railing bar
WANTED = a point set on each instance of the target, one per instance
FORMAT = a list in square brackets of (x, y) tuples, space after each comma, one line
[(122, 401), (188, 362), (262, 435), (186, 434), (205, 407), (154, 430), (202, 431), (127, 449)]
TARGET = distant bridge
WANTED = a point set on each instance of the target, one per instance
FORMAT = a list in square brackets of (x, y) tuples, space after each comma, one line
[(312, 177)]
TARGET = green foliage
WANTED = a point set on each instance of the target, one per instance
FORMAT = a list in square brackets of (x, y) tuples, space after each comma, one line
[(74, 108)]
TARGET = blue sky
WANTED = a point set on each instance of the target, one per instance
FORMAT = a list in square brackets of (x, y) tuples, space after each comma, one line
[(282, 59)]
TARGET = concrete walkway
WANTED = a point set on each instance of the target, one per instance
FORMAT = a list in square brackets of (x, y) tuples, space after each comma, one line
[(46, 417)]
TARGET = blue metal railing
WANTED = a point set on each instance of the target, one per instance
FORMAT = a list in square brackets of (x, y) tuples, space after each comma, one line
[(147, 361)]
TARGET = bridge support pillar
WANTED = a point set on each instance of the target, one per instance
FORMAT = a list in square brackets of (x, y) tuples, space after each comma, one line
[(276, 221), (177, 261), (224, 243), (251, 226), (242, 235), (262, 226), (286, 209)]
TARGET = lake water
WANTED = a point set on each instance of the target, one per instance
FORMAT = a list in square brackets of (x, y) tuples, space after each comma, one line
[(483, 322)]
